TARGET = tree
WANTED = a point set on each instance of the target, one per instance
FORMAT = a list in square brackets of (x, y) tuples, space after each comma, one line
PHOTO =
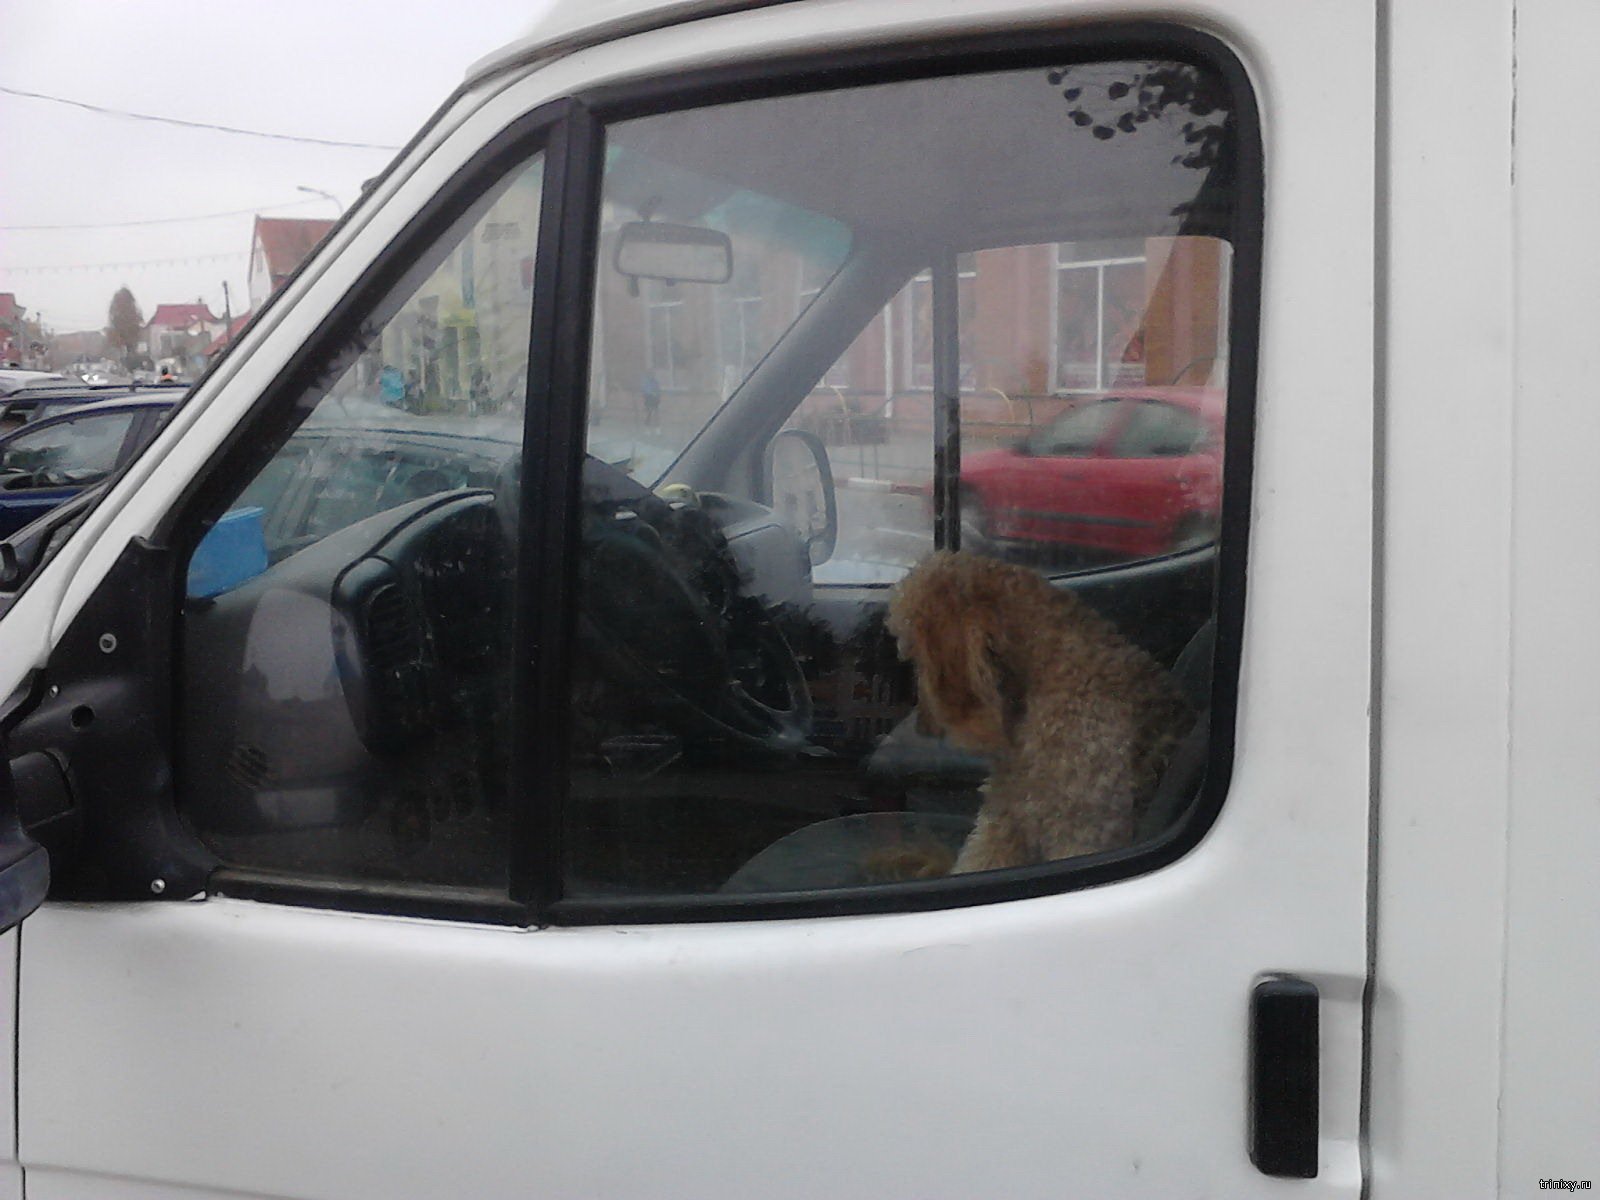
[(1138, 93), (125, 324), (1149, 91)]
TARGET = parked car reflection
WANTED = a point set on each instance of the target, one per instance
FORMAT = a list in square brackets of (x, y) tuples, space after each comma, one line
[(1129, 475), (57, 455)]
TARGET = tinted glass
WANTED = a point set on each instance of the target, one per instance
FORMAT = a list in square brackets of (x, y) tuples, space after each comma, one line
[(1081, 432), (930, 280), (1156, 430), (345, 639)]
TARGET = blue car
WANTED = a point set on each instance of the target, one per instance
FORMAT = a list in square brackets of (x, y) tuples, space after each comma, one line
[(64, 450), (49, 394)]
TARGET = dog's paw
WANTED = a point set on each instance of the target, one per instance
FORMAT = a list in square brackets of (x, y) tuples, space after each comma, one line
[(898, 864)]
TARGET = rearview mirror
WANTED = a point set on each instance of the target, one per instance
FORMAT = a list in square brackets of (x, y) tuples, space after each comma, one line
[(675, 253)]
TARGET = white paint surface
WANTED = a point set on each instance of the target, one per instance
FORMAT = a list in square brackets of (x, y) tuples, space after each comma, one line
[(1087, 1044)]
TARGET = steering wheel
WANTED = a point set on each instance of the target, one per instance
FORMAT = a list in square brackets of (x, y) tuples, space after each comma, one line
[(663, 617), (64, 477)]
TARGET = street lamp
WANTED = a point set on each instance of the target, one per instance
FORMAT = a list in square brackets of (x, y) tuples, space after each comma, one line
[(300, 187)]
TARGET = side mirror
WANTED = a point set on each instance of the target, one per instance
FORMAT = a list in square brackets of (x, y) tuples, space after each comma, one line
[(675, 253), (24, 864), (798, 483), (24, 550)]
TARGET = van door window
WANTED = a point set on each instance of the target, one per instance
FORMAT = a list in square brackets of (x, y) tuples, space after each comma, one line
[(881, 324), (344, 640)]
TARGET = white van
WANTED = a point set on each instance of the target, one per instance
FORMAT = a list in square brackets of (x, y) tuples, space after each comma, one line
[(466, 754)]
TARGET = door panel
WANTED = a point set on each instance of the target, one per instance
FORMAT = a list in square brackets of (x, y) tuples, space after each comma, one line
[(1086, 1042), (10, 1170), (876, 1056)]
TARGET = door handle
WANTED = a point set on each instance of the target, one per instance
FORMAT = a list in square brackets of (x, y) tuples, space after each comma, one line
[(1284, 1041)]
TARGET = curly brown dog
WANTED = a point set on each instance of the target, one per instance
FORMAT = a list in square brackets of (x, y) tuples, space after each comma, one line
[(1078, 722)]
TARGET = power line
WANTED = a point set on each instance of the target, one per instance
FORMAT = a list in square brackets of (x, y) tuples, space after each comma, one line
[(133, 116), (233, 212)]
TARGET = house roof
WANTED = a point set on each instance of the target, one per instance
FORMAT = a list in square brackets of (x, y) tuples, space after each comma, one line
[(10, 310), (180, 316), (228, 334), (286, 241)]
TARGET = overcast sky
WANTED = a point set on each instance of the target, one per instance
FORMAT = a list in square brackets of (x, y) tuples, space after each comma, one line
[(347, 70)]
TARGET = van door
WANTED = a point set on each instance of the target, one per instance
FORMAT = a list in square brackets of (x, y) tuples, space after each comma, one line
[(554, 817), (10, 1170)]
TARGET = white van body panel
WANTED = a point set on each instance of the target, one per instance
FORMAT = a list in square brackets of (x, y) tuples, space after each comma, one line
[(567, 25), (1093, 1041), (10, 1170), (1444, 701), (1418, 700), (1549, 1088)]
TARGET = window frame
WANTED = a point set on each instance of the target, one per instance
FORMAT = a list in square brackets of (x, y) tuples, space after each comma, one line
[(663, 309), (244, 452), (880, 65), (569, 131), (1099, 266), (919, 372)]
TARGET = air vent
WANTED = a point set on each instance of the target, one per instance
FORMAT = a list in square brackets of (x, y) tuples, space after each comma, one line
[(392, 639), (250, 767)]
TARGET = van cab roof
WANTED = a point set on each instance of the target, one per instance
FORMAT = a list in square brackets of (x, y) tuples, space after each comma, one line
[(568, 25)]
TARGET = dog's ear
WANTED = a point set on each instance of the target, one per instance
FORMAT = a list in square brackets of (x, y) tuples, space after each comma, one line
[(965, 680), (1012, 690)]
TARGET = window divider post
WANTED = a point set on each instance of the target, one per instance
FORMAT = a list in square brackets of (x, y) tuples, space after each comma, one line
[(946, 402)]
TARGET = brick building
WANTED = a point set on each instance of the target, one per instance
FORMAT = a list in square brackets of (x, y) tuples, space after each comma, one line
[(1040, 326)]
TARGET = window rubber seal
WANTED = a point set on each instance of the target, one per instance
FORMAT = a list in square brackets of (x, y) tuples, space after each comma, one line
[(961, 55), (571, 133)]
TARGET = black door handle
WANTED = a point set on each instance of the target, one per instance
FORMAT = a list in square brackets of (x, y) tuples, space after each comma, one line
[(1284, 1077)]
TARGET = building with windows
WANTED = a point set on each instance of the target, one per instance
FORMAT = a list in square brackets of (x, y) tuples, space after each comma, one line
[(81, 347), (17, 333), (1040, 327), (178, 334)]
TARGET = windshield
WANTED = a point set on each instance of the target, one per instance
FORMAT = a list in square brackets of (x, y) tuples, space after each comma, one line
[(670, 353)]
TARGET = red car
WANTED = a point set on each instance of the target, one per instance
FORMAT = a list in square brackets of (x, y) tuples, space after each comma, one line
[(1130, 475)]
